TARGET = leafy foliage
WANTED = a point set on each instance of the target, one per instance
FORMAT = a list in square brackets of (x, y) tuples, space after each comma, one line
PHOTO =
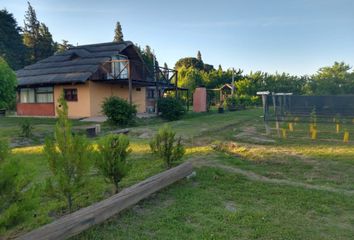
[(62, 47), (166, 146), (26, 128), (8, 84), (190, 62), (112, 158), (118, 111), (171, 108), (15, 205), (11, 45), (68, 157)]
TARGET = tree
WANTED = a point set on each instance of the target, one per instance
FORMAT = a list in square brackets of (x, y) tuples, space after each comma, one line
[(8, 84), (199, 56), (36, 37), (166, 146), (11, 45), (333, 80), (68, 157), (189, 62), (118, 33), (118, 111), (62, 47), (46, 43), (112, 158)]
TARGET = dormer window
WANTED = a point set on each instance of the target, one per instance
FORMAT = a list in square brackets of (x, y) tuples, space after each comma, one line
[(119, 67)]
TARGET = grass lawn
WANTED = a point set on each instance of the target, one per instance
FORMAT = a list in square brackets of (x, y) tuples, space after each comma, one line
[(248, 185)]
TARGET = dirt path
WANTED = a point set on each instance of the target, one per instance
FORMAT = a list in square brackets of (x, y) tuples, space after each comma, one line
[(256, 177)]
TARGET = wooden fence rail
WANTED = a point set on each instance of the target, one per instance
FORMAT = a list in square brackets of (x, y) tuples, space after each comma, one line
[(82, 219)]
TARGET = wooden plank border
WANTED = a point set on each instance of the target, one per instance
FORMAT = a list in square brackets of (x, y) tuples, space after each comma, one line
[(78, 221)]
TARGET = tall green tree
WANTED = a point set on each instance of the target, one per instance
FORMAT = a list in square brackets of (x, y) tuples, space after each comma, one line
[(118, 33), (36, 37), (46, 44), (11, 45), (8, 84), (333, 80)]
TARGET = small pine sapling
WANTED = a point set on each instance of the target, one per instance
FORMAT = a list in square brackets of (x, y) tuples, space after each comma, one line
[(68, 158), (112, 158), (166, 146)]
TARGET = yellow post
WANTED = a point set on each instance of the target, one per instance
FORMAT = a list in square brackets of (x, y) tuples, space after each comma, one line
[(283, 131), (291, 127), (337, 128), (311, 128), (346, 136), (314, 134)]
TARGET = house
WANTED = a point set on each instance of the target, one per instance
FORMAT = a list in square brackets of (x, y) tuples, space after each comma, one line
[(88, 74)]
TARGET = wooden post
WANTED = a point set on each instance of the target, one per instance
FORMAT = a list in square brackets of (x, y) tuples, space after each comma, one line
[(76, 222), (130, 83), (265, 113)]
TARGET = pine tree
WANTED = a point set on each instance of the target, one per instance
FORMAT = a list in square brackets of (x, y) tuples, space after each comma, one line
[(68, 157), (199, 56), (11, 45), (118, 33), (45, 43), (36, 37)]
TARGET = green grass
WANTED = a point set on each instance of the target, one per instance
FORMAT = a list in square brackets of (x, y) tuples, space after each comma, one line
[(219, 204)]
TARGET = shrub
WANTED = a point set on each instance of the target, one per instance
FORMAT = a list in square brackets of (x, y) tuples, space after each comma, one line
[(15, 205), (166, 146), (26, 128), (4, 150), (68, 157), (8, 84), (232, 102), (118, 111), (170, 108), (112, 158)]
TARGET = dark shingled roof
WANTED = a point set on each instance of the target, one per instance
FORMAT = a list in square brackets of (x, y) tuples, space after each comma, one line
[(74, 65)]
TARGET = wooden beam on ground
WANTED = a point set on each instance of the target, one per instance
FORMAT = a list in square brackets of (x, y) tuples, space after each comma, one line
[(74, 223)]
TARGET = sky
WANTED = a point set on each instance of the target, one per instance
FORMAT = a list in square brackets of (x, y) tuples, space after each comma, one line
[(293, 36)]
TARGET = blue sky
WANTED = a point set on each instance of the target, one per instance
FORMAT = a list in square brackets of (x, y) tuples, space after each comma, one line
[(295, 36)]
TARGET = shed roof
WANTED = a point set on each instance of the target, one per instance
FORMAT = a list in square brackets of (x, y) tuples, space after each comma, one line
[(74, 65)]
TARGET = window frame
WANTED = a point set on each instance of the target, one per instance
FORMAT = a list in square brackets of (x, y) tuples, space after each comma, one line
[(35, 91), (71, 90)]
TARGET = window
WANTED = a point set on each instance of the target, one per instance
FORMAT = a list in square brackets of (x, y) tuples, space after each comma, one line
[(27, 95), (138, 89), (44, 95), (151, 93), (36, 95), (70, 95), (119, 68)]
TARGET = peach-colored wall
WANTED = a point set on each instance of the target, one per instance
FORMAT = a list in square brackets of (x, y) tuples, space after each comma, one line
[(92, 94), (80, 108), (100, 91)]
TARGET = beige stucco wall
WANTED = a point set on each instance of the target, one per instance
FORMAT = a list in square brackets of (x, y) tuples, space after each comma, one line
[(100, 91), (78, 109), (92, 94)]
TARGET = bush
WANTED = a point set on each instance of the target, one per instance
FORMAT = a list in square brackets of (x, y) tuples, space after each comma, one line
[(112, 158), (4, 150), (8, 84), (170, 108), (118, 111), (68, 157), (166, 146), (232, 102), (26, 128), (15, 205)]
